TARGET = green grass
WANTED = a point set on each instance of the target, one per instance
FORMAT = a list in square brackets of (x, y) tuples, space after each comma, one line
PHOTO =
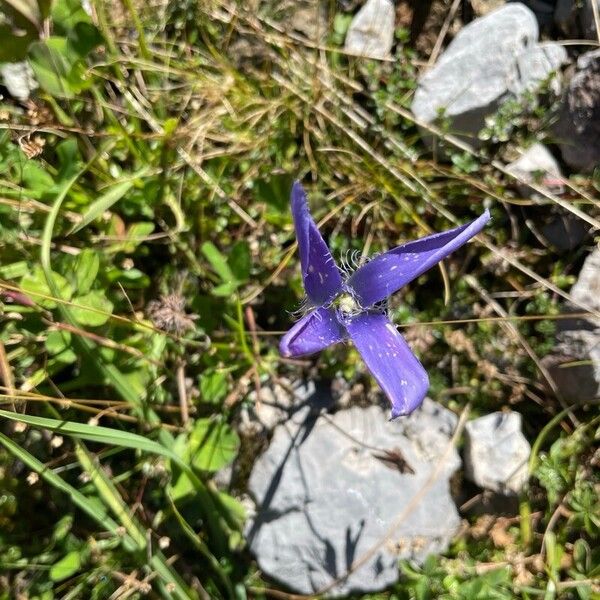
[(147, 241)]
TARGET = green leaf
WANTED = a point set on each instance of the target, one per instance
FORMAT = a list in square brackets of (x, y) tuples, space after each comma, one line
[(83, 38), (14, 270), (217, 261), (275, 191), (240, 260), (35, 177), (57, 341), (213, 444), (67, 13), (86, 269), (225, 289), (51, 62), (62, 528), (67, 566), (95, 433), (69, 158), (213, 386), (93, 309), (107, 200), (35, 284)]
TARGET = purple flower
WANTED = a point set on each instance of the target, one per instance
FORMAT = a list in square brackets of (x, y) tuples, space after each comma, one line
[(353, 305)]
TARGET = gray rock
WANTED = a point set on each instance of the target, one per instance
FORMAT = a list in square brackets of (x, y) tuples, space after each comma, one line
[(277, 403), (578, 127), (535, 165), (371, 33), (575, 362), (496, 452), (492, 59), (554, 225), (535, 64), (18, 79), (586, 289), (327, 493)]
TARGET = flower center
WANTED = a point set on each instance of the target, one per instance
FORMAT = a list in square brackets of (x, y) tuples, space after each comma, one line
[(346, 305)]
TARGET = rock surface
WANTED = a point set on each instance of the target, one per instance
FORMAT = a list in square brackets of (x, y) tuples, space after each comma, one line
[(277, 403), (329, 488), (535, 165), (18, 79), (578, 126), (492, 59), (575, 362), (371, 33), (497, 452)]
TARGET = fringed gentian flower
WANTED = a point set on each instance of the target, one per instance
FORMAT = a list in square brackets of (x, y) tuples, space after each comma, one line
[(345, 304)]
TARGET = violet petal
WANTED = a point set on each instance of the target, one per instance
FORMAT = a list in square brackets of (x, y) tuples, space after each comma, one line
[(322, 279), (312, 333), (387, 273), (390, 360)]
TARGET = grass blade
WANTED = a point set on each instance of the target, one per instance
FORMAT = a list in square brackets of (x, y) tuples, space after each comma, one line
[(102, 204)]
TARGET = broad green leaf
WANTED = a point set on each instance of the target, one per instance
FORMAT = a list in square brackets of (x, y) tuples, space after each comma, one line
[(57, 341), (66, 357), (52, 66), (213, 444), (83, 38), (86, 269), (225, 289), (104, 202), (67, 566), (217, 261), (35, 177), (213, 386), (35, 284), (69, 158), (93, 309), (67, 13), (240, 260), (14, 270), (275, 191)]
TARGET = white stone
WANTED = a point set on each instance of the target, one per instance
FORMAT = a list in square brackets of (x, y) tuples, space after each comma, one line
[(574, 364), (371, 33), (535, 164), (18, 79), (325, 497), (494, 58), (497, 452)]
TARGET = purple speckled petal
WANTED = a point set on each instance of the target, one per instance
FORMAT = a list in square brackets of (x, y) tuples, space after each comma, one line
[(312, 333), (390, 360), (387, 273), (322, 279)]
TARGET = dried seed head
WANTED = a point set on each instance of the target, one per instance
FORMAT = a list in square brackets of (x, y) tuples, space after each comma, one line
[(32, 146), (168, 313)]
